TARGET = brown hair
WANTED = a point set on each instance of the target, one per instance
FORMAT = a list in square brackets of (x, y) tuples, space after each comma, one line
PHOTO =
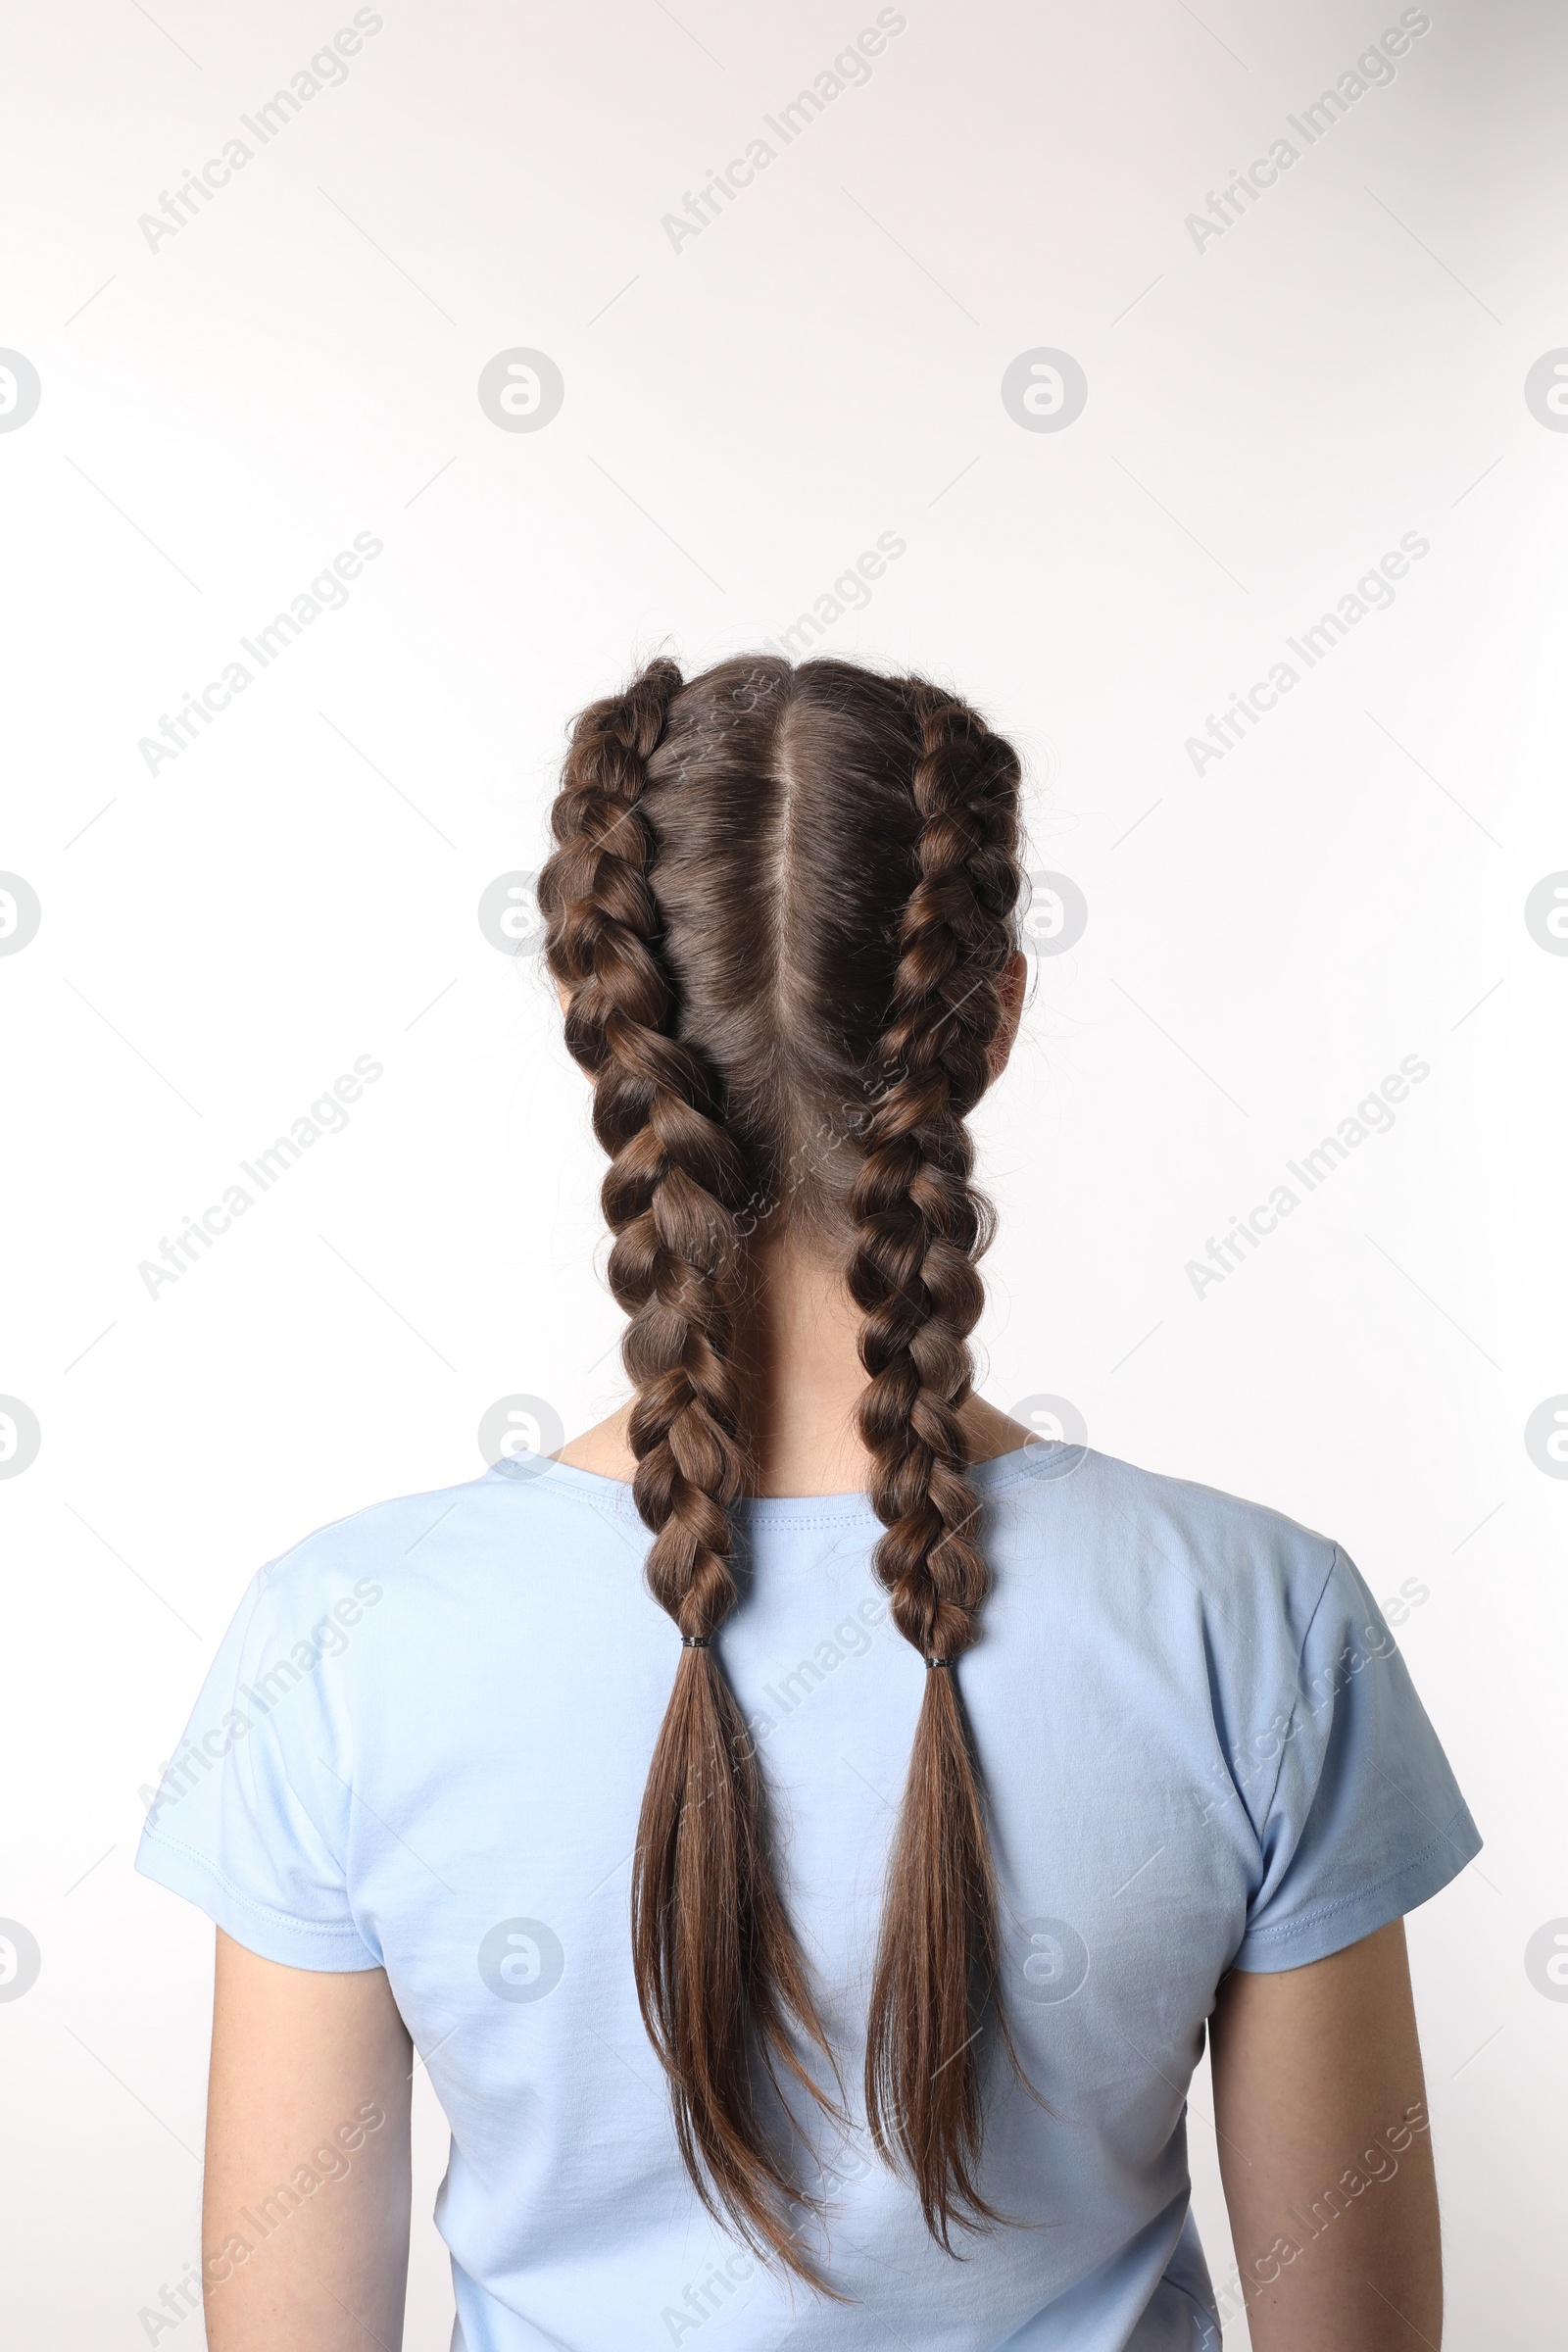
[(781, 901)]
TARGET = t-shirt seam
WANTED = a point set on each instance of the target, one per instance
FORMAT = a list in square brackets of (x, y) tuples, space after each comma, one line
[(1343, 1902), (286, 1919), (817, 1524), (627, 1511), (1296, 1703), (1208, 2317), (624, 1509)]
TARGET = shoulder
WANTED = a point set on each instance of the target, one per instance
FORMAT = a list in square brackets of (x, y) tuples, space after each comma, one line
[(413, 1546), (1170, 1539)]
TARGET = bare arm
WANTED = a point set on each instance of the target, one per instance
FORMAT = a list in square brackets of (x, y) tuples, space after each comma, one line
[(305, 2213), (1326, 2153)]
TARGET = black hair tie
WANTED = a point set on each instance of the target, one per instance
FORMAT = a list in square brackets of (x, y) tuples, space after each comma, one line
[(947, 1662), (696, 1641)]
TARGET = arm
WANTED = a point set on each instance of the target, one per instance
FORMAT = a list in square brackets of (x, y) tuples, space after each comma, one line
[(1326, 2153), (304, 2209)]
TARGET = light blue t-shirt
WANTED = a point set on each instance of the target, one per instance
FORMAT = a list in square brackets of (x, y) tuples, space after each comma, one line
[(423, 1747)]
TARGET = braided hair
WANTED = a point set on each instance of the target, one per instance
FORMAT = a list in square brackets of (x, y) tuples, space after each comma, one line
[(919, 1228), (780, 905)]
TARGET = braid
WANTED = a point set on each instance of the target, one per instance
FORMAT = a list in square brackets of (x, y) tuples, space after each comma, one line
[(920, 1227), (720, 1975)]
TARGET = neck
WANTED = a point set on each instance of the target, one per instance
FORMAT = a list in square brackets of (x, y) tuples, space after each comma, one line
[(804, 1381)]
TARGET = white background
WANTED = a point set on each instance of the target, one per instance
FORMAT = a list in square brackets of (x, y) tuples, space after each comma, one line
[(221, 413)]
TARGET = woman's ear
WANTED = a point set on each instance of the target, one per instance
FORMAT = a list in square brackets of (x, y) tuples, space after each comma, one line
[(1012, 987)]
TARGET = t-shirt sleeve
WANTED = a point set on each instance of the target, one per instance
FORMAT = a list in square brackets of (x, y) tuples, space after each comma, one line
[(251, 1818), (1365, 1821)]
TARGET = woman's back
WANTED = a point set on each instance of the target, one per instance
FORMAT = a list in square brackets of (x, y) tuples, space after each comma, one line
[(1201, 1750)]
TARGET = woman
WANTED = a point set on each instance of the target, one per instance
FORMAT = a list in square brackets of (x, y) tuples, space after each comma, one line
[(847, 1992)]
